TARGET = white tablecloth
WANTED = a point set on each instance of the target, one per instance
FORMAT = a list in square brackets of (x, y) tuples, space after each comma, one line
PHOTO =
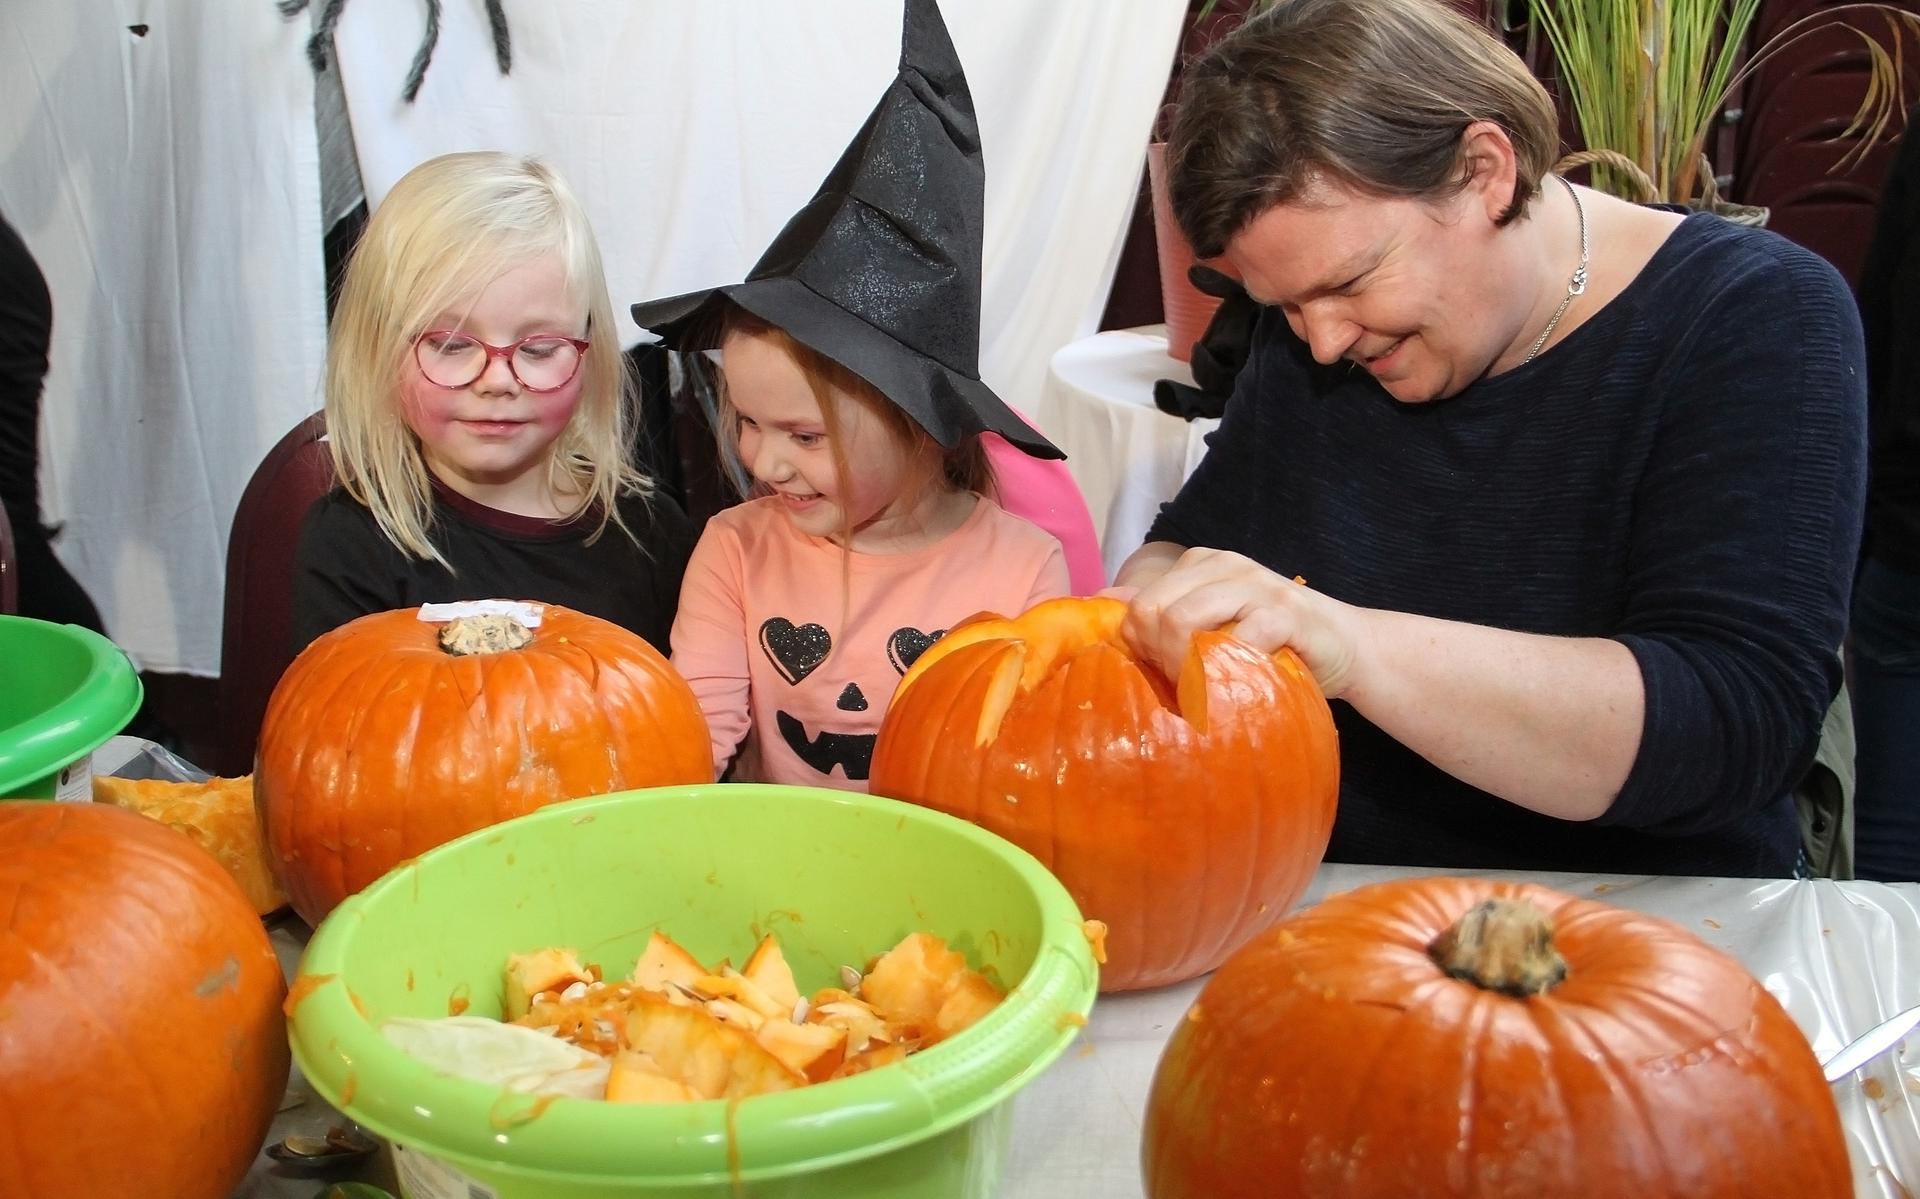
[(1839, 956), (1128, 456)]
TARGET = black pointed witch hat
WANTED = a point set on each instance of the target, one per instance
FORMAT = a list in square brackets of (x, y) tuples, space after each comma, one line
[(881, 270)]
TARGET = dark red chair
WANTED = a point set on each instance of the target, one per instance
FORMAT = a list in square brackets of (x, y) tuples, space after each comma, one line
[(258, 620), (9, 568), (1776, 16), (1810, 157), (1822, 101), (1821, 74)]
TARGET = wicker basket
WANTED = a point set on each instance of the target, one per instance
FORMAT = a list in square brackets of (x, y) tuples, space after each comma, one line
[(1709, 200)]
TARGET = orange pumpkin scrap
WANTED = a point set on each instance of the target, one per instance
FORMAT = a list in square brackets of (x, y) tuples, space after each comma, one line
[(392, 735), (142, 1049), (1459, 1037), (676, 1031), (1186, 816), (219, 815)]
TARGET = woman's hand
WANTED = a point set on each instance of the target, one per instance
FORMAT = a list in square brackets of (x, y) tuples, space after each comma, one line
[(1210, 589)]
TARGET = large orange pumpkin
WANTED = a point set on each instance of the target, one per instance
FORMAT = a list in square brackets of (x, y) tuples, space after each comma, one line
[(1187, 817), (142, 1049), (1459, 1037), (381, 743)]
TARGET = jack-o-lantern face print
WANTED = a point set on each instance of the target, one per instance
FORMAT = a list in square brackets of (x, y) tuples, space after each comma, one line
[(844, 704)]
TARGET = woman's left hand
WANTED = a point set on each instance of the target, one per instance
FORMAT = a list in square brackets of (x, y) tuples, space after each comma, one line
[(1210, 589)]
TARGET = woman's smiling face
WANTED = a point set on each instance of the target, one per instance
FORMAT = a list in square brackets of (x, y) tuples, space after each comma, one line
[(1409, 290)]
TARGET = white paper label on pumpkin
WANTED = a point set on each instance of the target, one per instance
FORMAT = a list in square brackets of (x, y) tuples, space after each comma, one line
[(424, 1177), (76, 783), (527, 615)]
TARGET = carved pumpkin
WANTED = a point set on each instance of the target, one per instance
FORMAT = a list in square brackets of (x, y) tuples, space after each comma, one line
[(142, 1049), (1458, 1037), (391, 735), (1187, 817)]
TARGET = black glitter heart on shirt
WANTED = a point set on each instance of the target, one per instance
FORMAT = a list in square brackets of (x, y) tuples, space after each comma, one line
[(795, 650), (907, 644)]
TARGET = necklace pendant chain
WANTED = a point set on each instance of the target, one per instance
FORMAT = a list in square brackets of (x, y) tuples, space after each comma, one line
[(1576, 286)]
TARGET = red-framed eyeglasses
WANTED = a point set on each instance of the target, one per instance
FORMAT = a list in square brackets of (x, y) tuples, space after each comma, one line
[(542, 362)]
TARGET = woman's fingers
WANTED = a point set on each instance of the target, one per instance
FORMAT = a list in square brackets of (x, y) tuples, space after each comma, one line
[(1211, 589), (1203, 594)]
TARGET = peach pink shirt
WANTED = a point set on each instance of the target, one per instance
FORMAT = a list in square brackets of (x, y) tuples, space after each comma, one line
[(797, 686)]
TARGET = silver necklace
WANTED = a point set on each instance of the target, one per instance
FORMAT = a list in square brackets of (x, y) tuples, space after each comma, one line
[(1577, 286)]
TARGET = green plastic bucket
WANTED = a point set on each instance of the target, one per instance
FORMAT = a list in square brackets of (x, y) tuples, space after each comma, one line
[(838, 877), (64, 691)]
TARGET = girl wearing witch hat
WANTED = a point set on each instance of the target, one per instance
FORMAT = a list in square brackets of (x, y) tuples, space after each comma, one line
[(853, 398)]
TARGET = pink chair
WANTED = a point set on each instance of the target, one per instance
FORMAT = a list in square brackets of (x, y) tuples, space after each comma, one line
[(1043, 491)]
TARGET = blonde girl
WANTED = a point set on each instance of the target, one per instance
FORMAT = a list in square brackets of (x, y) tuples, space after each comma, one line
[(479, 415)]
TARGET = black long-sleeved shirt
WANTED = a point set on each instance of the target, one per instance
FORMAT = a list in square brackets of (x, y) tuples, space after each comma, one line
[(1890, 311), (1683, 473), (345, 567), (26, 329)]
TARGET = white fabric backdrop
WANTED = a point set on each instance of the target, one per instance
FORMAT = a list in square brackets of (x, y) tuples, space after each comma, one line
[(167, 186), (693, 131)]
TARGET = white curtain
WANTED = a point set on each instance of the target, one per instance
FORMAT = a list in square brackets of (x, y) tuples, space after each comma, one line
[(158, 158), (168, 185), (693, 131)]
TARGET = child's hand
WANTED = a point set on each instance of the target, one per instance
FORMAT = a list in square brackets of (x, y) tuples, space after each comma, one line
[(1123, 594)]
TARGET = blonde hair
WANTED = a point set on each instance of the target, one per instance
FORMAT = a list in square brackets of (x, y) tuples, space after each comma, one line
[(1373, 94), (964, 467), (448, 228)]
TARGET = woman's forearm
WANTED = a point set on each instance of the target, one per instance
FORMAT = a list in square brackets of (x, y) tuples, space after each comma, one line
[(1147, 563), (1548, 723)]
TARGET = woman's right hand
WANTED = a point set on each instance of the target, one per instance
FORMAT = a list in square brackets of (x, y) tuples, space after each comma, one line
[(1207, 589)]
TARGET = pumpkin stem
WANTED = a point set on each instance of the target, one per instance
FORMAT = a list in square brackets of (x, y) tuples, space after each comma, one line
[(1503, 945), (485, 634)]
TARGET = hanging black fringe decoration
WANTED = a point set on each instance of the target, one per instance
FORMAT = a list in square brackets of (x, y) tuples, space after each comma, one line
[(502, 48), (417, 72)]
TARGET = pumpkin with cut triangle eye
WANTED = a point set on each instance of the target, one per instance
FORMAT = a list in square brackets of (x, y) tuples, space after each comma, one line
[(1187, 814)]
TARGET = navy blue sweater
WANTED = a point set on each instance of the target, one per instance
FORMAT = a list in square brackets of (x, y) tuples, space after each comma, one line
[(1684, 473)]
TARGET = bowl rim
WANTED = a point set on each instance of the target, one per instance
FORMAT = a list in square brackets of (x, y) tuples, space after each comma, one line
[(470, 1124), (99, 705)]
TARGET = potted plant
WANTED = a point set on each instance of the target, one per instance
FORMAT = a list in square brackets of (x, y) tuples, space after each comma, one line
[(1187, 309), (1646, 81)]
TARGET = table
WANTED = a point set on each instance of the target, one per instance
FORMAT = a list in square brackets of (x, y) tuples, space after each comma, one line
[(1839, 956), (1127, 456)]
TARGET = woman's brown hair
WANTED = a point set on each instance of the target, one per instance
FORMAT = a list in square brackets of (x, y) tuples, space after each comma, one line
[(1372, 94)]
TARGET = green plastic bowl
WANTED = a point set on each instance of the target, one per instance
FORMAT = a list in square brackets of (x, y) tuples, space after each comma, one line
[(838, 877), (64, 692)]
